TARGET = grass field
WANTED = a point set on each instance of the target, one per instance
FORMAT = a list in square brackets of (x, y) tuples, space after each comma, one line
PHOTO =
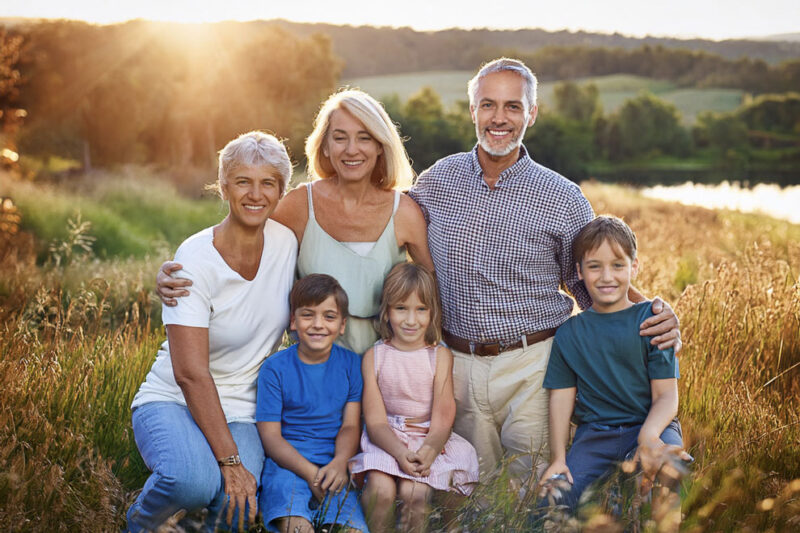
[(78, 335), (614, 90)]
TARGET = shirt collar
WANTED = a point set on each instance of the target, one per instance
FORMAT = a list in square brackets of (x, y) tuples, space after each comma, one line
[(522, 166)]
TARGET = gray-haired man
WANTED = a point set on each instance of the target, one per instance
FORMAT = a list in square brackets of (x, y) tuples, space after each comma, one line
[(500, 230)]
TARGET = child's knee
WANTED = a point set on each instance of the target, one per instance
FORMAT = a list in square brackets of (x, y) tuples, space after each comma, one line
[(380, 491), (295, 524), (414, 495)]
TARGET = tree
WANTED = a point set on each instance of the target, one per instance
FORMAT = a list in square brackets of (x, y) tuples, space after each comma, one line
[(11, 80), (432, 133), (646, 126), (563, 144), (576, 102)]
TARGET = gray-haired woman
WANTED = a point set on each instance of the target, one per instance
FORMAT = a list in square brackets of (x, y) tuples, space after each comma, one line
[(194, 416)]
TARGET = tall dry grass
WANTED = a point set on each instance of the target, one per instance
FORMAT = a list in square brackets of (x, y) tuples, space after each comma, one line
[(740, 366), (78, 335)]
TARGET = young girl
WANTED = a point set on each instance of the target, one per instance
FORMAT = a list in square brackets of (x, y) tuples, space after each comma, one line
[(408, 449)]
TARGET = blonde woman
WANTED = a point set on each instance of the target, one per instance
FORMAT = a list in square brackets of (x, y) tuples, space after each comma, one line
[(351, 221)]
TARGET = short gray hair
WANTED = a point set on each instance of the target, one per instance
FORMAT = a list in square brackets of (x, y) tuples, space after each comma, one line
[(255, 148), (504, 64)]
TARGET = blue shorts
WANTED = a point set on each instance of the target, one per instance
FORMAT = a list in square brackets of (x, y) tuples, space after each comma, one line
[(284, 493), (597, 448)]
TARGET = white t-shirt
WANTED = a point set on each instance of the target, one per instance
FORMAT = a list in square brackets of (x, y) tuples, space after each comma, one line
[(245, 319)]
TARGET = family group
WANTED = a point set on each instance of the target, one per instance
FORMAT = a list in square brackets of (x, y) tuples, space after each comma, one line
[(406, 378)]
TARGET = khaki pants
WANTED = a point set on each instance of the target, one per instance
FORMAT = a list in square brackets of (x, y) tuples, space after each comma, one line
[(502, 408)]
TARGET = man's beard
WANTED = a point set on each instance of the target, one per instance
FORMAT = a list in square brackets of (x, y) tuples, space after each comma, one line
[(513, 143)]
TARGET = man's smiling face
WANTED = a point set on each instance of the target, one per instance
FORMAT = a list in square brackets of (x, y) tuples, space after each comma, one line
[(501, 113)]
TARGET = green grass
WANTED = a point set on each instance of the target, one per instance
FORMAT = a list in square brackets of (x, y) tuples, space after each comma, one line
[(614, 90), (130, 216), (77, 339)]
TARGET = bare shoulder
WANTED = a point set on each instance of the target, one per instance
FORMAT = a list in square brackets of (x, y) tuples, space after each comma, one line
[(368, 359), (410, 225), (292, 211), (408, 209), (443, 353)]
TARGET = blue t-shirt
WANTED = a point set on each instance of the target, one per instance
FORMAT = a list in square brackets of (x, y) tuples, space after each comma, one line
[(309, 400), (603, 355)]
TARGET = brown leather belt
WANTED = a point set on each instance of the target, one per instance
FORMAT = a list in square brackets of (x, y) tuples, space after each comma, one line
[(494, 348)]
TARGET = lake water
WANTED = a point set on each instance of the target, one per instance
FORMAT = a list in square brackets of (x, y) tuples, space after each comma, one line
[(767, 199)]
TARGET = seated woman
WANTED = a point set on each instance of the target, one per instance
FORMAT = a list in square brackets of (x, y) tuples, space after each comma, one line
[(350, 222), (194, 416)]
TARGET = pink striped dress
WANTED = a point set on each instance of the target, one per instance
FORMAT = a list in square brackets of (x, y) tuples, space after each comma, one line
[(405, 380)]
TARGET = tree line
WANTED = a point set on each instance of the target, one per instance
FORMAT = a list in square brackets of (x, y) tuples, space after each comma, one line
[(575, 137), (172, 94), (688, 68), (370, 51), (168, 94)]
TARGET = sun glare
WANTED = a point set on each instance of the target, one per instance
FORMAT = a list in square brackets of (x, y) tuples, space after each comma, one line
[(768, 199)]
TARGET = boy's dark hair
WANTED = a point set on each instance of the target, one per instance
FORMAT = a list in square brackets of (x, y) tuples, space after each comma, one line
[(604, 228), (315, 289)]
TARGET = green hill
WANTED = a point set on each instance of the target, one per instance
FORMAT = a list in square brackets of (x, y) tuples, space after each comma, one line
[(614, 90)]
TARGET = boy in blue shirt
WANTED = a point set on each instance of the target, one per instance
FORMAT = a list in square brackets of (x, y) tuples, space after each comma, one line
[(622, 389), (308, 413)]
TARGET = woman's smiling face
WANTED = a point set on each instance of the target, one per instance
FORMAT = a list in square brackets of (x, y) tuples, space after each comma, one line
[(351, 149)]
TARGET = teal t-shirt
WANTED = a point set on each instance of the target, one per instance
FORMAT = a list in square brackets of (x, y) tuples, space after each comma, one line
[(603, 355), (309, 400)]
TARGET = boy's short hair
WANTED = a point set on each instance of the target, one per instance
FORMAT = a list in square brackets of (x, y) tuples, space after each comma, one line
[(604, 228), (315, 289)]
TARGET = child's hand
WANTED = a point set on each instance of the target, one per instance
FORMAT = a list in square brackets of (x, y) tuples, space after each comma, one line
[(552, 482), (427, 455), (313, 484), (653, 454), (409, 462), (332, 477), (555, 468)]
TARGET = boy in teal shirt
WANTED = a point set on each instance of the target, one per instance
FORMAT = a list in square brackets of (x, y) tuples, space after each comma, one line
[(621, 390)]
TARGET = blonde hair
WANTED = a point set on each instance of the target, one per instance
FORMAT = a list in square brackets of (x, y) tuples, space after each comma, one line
[(392, 170), (403, 280)]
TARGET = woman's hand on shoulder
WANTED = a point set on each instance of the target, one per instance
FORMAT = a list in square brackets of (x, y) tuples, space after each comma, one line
[(411, 231), (292, 211), (169, 288)]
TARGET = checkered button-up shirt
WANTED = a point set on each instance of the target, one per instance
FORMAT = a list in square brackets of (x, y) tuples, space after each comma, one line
[(502, 254)]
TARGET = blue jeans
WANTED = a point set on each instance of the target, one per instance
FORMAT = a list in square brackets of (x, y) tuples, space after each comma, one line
[(185, 474), (597, 448)]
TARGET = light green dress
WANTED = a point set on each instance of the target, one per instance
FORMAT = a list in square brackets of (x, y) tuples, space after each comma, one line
[(361, 276)]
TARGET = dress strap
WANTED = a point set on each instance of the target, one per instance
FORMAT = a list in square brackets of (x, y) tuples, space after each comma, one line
[(310, 202), (396, 202)]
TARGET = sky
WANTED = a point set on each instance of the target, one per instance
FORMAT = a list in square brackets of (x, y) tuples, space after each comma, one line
[(678, 18)]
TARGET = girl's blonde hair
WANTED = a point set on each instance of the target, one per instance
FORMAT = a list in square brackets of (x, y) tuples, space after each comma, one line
[(403, 280), (392, 170)]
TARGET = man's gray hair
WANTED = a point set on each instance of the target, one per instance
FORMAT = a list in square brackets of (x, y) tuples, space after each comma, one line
[(501, 65)]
